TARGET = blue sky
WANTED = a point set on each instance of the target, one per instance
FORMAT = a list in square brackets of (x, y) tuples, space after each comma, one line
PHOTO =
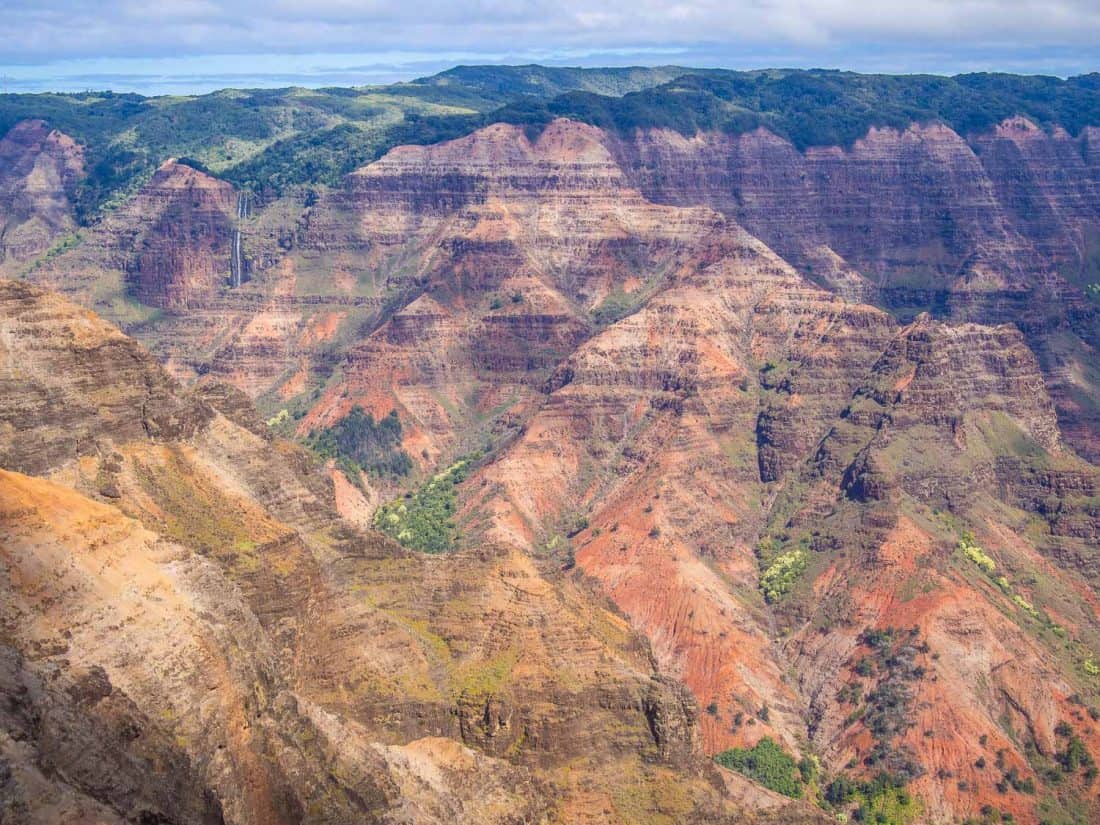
[(198, 45)]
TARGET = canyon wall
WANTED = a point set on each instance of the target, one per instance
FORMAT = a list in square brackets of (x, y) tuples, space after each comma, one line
[(39, 170), (743, 414)]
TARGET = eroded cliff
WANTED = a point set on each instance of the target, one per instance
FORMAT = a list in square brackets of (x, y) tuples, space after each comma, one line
[(722, 446), (180, 597)]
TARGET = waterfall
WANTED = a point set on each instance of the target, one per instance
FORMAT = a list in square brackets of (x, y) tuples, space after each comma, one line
[(236, 263)]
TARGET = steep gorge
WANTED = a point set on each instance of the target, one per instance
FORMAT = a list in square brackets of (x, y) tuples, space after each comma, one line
[(178, 592), (743, 409)]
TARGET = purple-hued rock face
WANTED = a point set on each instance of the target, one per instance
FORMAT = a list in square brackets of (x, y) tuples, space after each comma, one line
[(39, 169), (794, 437)]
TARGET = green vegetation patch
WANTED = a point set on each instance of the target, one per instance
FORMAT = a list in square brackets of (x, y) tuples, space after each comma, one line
[(883, 799), (781, 572), (270, 140), (483, 677), (357, 441), (976, 554), (824, 107), (767, 763), (424, 520)]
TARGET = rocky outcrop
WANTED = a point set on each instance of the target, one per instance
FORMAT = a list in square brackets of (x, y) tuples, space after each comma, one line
[(112, 388), (911, 210), (509, 252), (186, 601), (993, 227), (937, 410), (174, 246), (893, 614), (40, 168), (182, 250)]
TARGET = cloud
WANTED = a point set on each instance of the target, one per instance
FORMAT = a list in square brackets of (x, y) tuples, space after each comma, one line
[(55, 33)]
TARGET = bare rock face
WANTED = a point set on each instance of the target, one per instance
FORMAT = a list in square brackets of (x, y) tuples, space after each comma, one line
[(510, 248), (174, 246), (191, 635), (968, 395), (112, 389), (993, 228), (647, 433), (997, 227), (75, 749), (912, 613), (911, 210), (182, 247), (39, 170)]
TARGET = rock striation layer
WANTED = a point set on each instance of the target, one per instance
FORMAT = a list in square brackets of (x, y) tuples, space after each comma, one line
[(39, 170), (772, 443), (182, 604)]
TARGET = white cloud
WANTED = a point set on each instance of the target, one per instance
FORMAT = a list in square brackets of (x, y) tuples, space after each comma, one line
[(50, 28), (927, 35)]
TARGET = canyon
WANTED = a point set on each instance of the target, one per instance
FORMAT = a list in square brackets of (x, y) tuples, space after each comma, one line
[(751, 443)]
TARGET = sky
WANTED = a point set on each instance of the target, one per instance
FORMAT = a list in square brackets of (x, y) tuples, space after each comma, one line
[(191, 46)]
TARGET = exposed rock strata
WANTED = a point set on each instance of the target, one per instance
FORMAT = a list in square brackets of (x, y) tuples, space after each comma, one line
[(39, 170), (188, 601)]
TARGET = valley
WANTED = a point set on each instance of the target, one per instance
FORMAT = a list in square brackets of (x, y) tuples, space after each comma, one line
[(533, 445)]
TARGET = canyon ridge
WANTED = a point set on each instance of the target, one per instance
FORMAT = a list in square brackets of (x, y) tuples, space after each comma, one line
[(533, 445)]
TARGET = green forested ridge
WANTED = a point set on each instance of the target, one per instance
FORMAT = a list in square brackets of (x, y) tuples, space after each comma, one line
[(272, 139)]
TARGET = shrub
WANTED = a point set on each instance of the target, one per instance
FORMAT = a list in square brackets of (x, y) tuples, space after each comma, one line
[(780, 575), (976, 554), (1075, 756), (881, 799), (579, 526), (614, 307), (1025, 605), (766, 763), (424, 520), (360, 441), (841, 790)]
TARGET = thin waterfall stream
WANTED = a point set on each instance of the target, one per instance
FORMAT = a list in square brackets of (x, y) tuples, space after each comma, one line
[(236, 264)]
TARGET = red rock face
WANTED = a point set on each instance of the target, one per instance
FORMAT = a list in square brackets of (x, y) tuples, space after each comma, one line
[(946, 421), (997, 227), (649, 433), (172, 246), (39, 168), (671, 346), (911, 210), (196, 637), (182, 246), (511, 246)]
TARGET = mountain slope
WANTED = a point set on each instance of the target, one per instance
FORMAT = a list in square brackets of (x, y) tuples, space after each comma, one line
[(178, 592), (733, 439), (40, 168)]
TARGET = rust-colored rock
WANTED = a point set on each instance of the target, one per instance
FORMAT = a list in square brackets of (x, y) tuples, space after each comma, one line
[(39, 170)]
